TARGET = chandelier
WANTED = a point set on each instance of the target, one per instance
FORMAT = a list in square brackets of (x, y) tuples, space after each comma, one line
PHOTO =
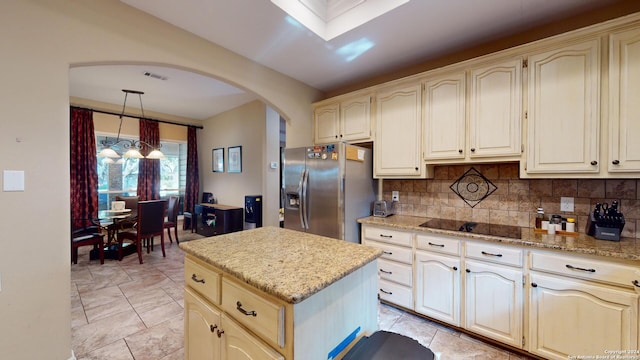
[(131, 148)]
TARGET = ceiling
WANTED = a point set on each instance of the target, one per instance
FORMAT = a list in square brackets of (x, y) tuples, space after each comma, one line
[(412, 33)]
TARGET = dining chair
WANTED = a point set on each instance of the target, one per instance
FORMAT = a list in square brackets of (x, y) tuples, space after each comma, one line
[(150, 223), (172, 217), (85, 232)]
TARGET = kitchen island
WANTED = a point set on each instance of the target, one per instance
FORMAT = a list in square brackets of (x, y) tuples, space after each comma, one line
[(277, 293)]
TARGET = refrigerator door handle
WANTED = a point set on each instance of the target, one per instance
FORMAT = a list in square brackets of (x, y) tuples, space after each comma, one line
[(304, 207), (301, 199)]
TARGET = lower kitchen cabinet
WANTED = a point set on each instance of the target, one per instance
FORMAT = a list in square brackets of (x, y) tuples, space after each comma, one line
[(201, 321), (438, 286), (238, 344), (570, 318), (211, 334), (494, 301)]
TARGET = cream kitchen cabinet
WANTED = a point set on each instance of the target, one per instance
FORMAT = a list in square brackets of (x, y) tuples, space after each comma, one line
[(494, 291), (211, 334), (347, 120), (395, 266), (438, 280), (444, 117), (624, 108), (564, 110), (398, 144), (480, 123), (581, 306)]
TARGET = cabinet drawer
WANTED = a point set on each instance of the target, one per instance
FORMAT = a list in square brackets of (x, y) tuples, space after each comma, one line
[(204, 281), (494, 253), (388, 236), (258, 314), (395, 293), (395, 272), (392, 252), (441, 244), (585, 268)]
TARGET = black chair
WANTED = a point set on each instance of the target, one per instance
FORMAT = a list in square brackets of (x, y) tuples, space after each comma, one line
[(150, 223), (172, 217), (86, 232)]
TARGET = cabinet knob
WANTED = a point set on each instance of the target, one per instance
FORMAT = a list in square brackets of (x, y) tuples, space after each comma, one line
[(336, 136), (340, 136), (636, 283), (416, 168), (468, 271), (460, 151), (534, 285), (615, 162), (473, 149), (594, 163), (455, 268)]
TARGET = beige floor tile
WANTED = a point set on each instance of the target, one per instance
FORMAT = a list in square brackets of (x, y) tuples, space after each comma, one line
[(94, 298), (147, 299), (158, 341), (456, 348), (106, 331), (416, 328), (114, 351), (161, 313)]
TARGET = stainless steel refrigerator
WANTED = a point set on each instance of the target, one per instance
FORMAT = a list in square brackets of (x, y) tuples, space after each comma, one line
[(326, 188)]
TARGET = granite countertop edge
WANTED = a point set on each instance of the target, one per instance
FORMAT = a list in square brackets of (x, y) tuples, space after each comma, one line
[(625, 249), (289, 277)]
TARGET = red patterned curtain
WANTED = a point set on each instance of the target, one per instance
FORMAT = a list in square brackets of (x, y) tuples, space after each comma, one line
[(149, 169), (84, 168), (192, 187)]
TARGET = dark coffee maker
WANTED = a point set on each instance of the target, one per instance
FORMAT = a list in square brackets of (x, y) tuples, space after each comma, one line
[(207, 197)]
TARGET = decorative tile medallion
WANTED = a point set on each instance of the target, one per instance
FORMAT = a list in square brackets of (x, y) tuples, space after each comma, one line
[(473, 187)]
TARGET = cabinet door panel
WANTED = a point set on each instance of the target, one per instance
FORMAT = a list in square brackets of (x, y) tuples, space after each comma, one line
[(495, 110), (438, 287), (242, 345), (398, 133), (494, 302), (326, 123), (200, 323), (563, 107), (571, 317), (624, 107), (355, 123), (444, 107)]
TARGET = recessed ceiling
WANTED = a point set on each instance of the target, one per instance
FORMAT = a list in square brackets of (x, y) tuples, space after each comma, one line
[(414, 32)]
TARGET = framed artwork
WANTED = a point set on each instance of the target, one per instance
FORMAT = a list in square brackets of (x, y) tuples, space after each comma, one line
[(218, 160), (235, 159)]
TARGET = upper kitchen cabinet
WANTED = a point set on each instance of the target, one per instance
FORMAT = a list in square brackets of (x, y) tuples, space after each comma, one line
[(397, 149), (347, 120), (624, 107), (564, 110), (444, 117), (495, 111), (491, 128)]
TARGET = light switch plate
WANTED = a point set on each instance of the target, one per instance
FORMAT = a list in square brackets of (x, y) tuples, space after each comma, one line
[(566, 204), (13, 180)]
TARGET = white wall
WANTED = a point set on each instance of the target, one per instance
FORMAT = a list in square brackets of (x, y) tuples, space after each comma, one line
[(243, 126), (40, 41)]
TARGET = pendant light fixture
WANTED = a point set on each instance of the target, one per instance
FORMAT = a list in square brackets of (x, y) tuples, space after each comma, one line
[(131, 147)]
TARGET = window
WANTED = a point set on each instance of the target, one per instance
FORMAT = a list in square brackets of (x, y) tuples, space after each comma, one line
[(122, 179)]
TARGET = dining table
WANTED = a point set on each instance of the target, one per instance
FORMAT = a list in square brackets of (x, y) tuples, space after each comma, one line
[(109, 220)]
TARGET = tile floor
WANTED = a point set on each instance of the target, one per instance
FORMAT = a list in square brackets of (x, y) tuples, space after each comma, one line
[(124, 311)]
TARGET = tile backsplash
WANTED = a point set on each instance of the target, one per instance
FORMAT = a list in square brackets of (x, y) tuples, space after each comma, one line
[(515, 200)]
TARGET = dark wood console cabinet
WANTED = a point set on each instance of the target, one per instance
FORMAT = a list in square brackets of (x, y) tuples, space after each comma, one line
[(227, 219)]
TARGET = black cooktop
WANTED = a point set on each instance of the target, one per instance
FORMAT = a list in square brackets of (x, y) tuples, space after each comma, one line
[(474, 227)]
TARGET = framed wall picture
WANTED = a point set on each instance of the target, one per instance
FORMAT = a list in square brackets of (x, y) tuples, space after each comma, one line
[(235, 159), (218, 160)]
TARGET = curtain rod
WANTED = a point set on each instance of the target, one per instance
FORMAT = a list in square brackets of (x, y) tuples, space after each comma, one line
[(138, 117)]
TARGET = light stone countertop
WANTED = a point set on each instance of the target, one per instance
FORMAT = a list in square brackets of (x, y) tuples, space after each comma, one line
[(287, 264), (625, 249)]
